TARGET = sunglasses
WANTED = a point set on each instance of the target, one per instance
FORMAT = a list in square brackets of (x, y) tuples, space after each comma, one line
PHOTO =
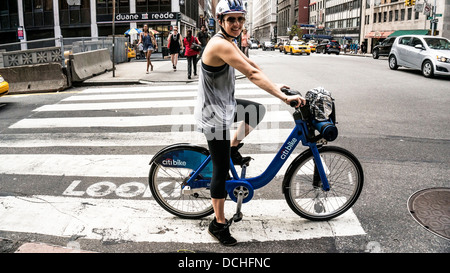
[(233, 20)]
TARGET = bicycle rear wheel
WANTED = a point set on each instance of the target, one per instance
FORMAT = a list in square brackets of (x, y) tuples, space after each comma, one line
[(303, 189), (170, 171)]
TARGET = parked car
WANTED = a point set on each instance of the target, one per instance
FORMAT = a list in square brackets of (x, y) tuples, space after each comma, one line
[(268, 46), (429, 54), (328, 47), (4, 86), (297, 47), (383, 48), (254, 46)]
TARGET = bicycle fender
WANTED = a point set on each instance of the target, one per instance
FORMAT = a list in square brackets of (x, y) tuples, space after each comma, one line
[(178, 146)]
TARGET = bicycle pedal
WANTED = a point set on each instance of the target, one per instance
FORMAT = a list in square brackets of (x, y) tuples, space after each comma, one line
[(237, 217)]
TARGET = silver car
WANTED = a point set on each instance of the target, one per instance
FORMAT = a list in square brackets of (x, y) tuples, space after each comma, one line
[(430, 54)]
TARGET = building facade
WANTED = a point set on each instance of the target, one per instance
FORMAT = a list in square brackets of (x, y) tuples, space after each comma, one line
[(264, 20), (39, 19), (342, 20)]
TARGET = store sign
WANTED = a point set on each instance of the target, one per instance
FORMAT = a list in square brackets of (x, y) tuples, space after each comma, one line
[(150, 16)]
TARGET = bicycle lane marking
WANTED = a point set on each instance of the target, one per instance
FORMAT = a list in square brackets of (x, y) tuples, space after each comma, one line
[(146, 221)]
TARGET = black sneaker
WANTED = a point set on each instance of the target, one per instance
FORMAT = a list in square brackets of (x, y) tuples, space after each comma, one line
[(222, 233), (237, 158)]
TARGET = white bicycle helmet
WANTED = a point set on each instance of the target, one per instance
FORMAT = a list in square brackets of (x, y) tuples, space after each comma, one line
[(227, 7)]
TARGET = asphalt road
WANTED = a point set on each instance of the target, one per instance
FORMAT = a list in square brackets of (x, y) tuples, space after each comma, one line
[(395, 122)]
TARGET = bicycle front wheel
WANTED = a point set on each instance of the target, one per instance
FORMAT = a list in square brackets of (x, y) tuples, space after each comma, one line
[(169, 173), (303, 189)]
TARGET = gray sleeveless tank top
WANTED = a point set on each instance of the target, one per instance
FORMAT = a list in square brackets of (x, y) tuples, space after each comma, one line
[(216, 105)]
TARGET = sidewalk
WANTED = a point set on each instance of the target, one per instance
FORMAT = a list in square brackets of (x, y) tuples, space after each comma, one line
[(134, 72)]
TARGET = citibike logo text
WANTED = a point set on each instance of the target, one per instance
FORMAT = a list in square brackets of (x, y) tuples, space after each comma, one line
[(289, 146), (170, 162)]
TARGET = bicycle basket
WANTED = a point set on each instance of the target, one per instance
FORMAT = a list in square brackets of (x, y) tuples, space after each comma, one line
[(320, 103)]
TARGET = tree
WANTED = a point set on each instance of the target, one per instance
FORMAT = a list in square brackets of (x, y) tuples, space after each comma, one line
[(295, 31)]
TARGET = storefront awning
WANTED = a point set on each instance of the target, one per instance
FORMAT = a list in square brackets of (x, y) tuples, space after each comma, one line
[(409, 32), (378, 34)]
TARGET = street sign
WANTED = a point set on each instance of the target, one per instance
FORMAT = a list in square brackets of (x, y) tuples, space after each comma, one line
[(434, 21), (438, 15), (20, 33)]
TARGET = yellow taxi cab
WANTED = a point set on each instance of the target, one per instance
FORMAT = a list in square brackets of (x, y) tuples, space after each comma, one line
[(4, 86), (297, 47), (131, 53), (312, 46)]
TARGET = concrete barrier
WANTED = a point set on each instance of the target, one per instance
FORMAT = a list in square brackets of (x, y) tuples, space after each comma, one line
[(47, 77), (85, 65)]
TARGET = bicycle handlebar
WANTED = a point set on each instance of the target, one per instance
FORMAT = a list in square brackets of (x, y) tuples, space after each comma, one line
[(290, 92)]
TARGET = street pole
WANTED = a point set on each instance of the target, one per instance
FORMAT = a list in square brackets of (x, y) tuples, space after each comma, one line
[(433, 10), (113, 39)]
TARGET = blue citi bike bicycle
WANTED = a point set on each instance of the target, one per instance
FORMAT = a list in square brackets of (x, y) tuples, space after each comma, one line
[(320, 184)]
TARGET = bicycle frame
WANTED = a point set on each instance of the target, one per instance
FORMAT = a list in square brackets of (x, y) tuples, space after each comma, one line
[(299, 133)]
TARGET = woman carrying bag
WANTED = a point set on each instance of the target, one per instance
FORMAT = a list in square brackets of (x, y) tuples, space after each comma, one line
[(175, 45), (192, 49)]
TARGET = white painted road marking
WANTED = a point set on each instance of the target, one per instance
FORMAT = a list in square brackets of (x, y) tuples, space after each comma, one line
[(129, 121), (262, 136), (146, 221), (102, 165), (153, 95), (135, 105)]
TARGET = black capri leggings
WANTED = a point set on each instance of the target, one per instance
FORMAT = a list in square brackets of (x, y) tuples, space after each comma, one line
[(251, 113)]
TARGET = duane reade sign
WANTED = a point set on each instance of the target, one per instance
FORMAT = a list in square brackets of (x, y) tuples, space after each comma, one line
[(146, 16)]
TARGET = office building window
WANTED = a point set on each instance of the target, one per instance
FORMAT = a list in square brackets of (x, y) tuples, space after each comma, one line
[(402, 14), (72, 15), (9, 18), (38, 13), (409, 13), (106, 6)]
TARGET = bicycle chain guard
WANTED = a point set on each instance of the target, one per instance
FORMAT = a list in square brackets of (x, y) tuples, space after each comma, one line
[(233, 187)]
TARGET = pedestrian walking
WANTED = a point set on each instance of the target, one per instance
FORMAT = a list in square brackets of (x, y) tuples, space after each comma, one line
[(149, 45), (190, 43), (245, 42), (203, 38), (217, 108), (175, 45)]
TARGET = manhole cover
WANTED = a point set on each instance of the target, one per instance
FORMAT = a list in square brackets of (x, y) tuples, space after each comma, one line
[(431, 209)]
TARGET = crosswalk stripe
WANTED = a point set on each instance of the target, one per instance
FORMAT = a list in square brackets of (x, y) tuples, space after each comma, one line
[(103, 165), (134, 105), (146, 221), (155, 95), (130, 121), (262, 136), (158, 88)]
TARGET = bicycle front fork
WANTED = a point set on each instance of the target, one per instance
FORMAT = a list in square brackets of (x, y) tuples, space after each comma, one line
[(319, 171)]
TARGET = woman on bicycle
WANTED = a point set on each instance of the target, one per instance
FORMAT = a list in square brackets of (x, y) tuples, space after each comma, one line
[(217, 108)]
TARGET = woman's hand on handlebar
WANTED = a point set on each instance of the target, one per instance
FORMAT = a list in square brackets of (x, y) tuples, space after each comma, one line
[(293, 98), (295, 101)]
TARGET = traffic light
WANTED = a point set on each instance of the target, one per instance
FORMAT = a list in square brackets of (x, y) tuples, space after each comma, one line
[(407, 3), (413, 2)]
